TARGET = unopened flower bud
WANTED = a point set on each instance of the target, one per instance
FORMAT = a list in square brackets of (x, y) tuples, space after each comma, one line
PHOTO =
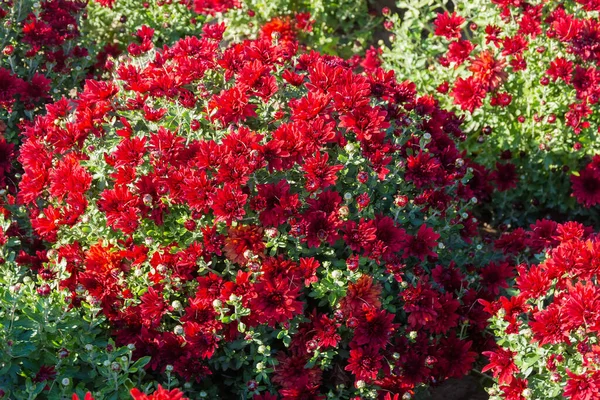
[(178, 330), (65, 381), (360, 384)]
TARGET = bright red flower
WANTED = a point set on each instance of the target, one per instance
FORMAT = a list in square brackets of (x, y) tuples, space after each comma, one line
[(448, 25), (502, 365), (468, 93), (158, 394)]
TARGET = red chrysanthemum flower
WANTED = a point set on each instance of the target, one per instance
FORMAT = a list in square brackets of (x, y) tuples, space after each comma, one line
[(586, 186), (422, 244), (448, 25), (502, 365), (468, 93), (159, 394)]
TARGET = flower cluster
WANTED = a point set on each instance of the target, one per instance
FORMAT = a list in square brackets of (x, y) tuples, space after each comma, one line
[(548, 332), (586, 184), (159, 394), (525, 77), (245, 208), (41, 56)]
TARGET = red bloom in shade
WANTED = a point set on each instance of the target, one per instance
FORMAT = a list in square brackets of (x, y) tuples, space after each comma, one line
[(448, 25), (502, 365), (456, 356), (321, 227), (199, 341), (447, 316), (159, 394), (318, 173), (231, 106), (494, 276), (582, 387), (276, 301), (45, 373), (586, 186), (364, 362), (547, 326), (541, 235), (511, 242), (242, 239), (421, 245), (228, 204), (275, 203), (421, 302), (374, 327), (468, 93), (364, 291), (505, 176), (291, 371), (422, 169)]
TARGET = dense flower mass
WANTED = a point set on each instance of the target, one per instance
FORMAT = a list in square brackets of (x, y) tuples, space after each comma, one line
[(556, 311), (41, 55), (250, 199), (524, 76), (244, 199)]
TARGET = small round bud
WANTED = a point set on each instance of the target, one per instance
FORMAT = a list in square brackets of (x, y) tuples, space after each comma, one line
[(260, 366), (176, 304), (169, 368), (131, 346), (217, 303), (65, 381), (178, 330), (262, 349), (360, 384), (347, 196), (427, 136), (89, 347), (337, 274), (115, 366)]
